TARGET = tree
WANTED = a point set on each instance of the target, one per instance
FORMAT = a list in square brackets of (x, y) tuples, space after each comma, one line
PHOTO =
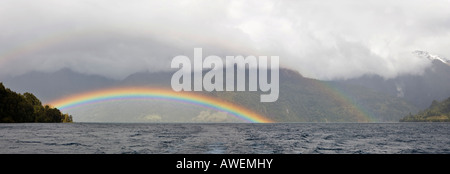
[(67, 118), (20, 108), (437, 112), (32, 99)]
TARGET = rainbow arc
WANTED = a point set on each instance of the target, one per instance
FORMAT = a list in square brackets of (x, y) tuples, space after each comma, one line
[(130, 93)]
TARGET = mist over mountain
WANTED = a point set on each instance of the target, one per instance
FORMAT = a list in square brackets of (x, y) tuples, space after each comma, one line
[(323, 40), (420, 90), (300, 100)]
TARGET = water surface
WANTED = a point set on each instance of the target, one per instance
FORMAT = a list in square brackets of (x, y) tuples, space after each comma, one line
[(228, 138)]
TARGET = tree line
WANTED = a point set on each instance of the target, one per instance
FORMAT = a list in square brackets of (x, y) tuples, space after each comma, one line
[(27, 108), (437, 112)]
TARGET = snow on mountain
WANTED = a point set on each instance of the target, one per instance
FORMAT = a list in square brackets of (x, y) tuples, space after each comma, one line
[(429, 56)]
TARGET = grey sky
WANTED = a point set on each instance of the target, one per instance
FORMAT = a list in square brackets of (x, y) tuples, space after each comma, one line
[(322, 39)]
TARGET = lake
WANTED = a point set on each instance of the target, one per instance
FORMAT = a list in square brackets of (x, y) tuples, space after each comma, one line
[(225, 138)]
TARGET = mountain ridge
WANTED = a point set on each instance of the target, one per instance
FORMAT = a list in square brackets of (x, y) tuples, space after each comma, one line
[(301, 99)]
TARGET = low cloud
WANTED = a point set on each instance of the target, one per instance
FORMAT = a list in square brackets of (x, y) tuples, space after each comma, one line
[(152, 118), (209, 116), (321, 39)]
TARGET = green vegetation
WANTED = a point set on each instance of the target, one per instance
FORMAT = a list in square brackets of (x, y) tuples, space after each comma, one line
[(26, 108), (437, 112)]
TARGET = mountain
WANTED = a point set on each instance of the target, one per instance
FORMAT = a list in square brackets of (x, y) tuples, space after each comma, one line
[(300, 100), (420, 90), (49, 86), (309, 100), (437, 112)]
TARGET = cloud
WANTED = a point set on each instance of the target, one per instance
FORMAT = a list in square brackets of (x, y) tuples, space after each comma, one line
[(208, 116), (152, 118), (399, 88), (322, 39)]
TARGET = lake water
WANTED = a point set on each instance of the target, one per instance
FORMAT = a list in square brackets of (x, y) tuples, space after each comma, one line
[(228, 138)]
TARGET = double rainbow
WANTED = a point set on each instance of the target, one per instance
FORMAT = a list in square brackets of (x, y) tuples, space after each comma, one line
[(128, 93)]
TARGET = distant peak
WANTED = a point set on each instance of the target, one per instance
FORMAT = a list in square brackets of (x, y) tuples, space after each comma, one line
[(290, 73), (432, 57)]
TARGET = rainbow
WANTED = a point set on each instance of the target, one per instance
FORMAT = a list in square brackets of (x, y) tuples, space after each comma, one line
[(29, 47), (53, 39), (41, 43), (361, 114), (128, 93)]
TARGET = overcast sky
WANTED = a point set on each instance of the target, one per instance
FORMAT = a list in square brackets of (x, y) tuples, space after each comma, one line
[(321, 39)]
